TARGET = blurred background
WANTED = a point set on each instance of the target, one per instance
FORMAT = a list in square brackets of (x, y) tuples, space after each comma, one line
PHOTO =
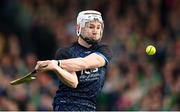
[(32, 30)]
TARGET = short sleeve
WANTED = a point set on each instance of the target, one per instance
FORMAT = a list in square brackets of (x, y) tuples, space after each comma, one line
[(105, 52), (62, 53)]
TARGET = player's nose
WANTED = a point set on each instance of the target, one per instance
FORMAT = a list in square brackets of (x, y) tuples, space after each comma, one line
[(94, 32)]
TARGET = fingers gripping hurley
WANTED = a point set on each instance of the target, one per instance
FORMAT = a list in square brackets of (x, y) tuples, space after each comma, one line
[(27, 78)]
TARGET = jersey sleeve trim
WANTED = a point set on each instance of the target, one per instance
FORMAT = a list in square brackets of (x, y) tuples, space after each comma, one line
[(100, 54)]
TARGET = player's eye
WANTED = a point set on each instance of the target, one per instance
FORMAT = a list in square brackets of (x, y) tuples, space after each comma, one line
[(91, 27), (98, 27)]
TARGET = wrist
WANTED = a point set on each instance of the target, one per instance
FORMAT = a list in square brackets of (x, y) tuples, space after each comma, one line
[(56, 62)]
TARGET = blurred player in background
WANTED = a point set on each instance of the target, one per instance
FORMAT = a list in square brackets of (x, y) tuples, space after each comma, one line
[(80, 67)]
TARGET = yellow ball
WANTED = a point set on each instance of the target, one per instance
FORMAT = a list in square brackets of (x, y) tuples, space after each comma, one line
[(150, 50)]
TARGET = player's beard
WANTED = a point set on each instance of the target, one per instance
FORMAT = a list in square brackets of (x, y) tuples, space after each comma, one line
[(90, 40)]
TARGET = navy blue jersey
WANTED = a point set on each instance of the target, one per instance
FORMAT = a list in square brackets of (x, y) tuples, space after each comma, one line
[(90, 81)]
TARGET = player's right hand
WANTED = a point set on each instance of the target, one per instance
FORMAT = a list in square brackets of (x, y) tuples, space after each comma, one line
[(46, 65)]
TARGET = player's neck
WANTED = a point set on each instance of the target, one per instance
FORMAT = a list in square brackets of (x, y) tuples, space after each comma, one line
[(83, 43)]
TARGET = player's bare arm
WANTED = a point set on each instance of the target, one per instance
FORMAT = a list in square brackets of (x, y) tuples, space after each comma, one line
[(68, 78), (77, 64)]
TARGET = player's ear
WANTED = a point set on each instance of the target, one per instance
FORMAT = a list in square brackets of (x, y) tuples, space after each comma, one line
[(77, 27)]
